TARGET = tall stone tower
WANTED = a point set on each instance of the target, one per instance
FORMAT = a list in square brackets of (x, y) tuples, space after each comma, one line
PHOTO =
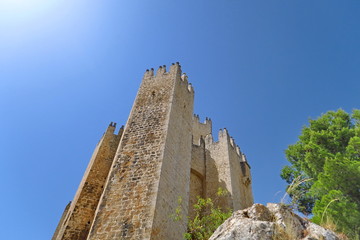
[(133, 182)]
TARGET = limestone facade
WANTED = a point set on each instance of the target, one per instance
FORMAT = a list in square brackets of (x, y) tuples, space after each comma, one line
[(164, 153)]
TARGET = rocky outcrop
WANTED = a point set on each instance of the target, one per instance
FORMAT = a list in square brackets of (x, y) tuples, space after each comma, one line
[(273, 222)]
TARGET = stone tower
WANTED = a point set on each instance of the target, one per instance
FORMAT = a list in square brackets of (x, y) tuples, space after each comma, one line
[(135, 178)]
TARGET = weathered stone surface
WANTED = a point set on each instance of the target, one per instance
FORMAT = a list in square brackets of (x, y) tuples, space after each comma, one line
[(246, 228), (274, 222), (151, 169), (317, 232), (286, 220), (78, 216)]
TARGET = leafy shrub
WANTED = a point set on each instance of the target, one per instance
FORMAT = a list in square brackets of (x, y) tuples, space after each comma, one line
[(208, 216)]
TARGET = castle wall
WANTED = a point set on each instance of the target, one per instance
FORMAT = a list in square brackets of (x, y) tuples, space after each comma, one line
[(239, 174), (80, 213), (218, 173), (61, 222), (198, 159), (197, 175), (200, 129), (226, 169), (175, 175), (150, 170), (246, 181), (196, 190)]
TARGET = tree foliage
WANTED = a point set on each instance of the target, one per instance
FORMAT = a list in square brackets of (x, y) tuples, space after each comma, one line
[(328, 153)]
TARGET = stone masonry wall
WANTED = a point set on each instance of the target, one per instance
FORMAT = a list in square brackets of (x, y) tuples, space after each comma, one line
[(200, 129), (198, 159), (174, 172), (239, 174), (127, 207), (61, 222), (80, 214), (224, 169), (218, 169), (197, 175), (246, 181)]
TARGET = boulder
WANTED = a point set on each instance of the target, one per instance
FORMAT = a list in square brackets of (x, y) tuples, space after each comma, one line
[(271, 222)]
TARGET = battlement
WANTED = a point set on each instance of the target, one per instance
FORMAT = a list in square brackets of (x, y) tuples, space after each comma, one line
[(200, 130), (224, 137), (112, 124), (236, 147), (244, 158), (161, 70), (175, 71), (206, 122), (111, 129), (175, 68)]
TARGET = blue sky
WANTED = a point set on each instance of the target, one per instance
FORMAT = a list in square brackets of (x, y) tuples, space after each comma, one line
[(67, 68)]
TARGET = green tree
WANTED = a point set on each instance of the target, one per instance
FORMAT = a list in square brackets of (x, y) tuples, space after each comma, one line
[(327, 158)]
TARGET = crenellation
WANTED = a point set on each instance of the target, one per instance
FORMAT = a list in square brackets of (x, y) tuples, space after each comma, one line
[(163, 153), (243, 158), (232, 142), (184, 77), (175, 70), (223, 135), (111, 128), (238, 151), (209, 139), (161, 70), (208, 121), (190, 88), (200, 129), (148, 73), (121, 130)]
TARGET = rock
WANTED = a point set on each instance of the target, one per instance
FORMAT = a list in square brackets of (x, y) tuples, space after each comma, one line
[(273, 222)]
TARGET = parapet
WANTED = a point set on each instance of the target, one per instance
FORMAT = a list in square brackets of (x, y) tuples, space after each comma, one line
[(175, 68), (112, 124), (175, 71), (161, 70), (225, 137), (111, 129), (121, 130), (149, 73), (200, 130), (207, 122), (243, 157), (209, 139)]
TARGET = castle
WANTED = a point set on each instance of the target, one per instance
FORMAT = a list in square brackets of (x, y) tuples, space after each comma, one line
[(136, 176)]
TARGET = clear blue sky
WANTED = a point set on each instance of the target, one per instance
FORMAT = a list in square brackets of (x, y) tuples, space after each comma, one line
[(68, 68)]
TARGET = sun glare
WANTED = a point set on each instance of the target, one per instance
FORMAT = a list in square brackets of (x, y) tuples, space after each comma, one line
[(24, 9)]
